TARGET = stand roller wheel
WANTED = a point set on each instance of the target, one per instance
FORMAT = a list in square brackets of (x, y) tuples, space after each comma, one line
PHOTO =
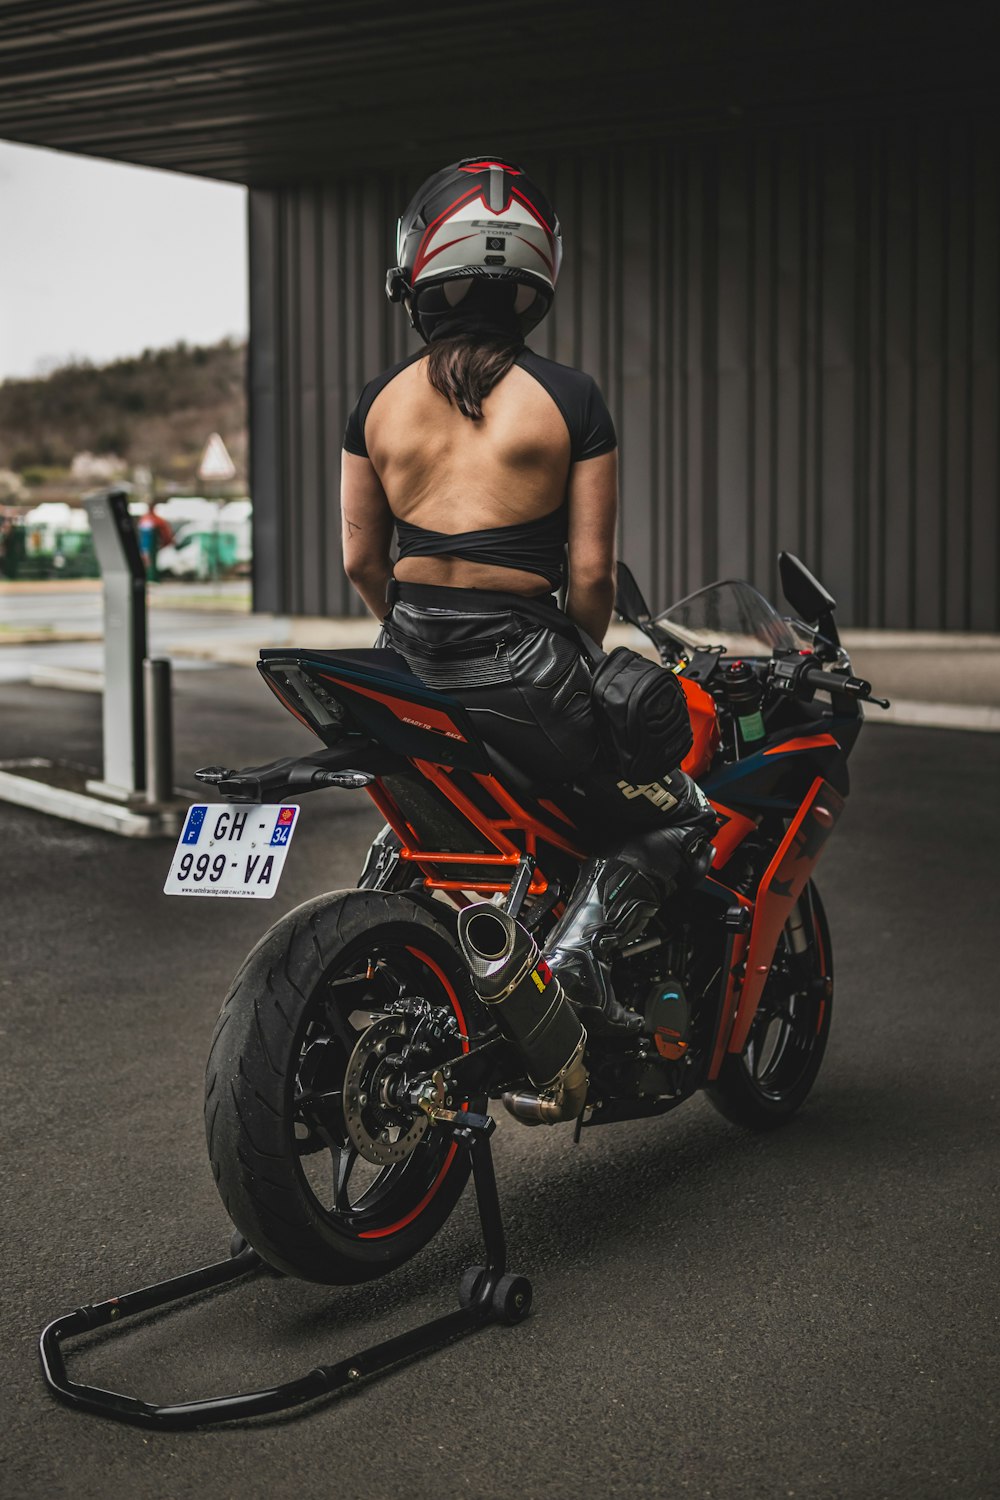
[(472, 1278), (512, 1298)]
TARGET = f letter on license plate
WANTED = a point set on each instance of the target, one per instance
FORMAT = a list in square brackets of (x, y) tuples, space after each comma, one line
[(230, 849)]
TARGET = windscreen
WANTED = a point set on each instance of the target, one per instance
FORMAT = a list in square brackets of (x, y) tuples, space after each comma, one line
[(733, 615)]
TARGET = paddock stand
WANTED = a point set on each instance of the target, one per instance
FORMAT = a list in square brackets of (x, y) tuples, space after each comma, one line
[(486, 1295)]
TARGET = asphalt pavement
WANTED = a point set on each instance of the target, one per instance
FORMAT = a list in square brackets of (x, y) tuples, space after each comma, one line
[(717, 1314)]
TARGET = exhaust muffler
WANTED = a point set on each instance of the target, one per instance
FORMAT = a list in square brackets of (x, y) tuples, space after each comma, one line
[(531, 1010)]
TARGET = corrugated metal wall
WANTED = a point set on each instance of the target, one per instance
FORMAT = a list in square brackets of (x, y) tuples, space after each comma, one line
[(798, 336)]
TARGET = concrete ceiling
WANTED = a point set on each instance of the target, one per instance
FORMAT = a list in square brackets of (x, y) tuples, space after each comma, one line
[(264, 93)]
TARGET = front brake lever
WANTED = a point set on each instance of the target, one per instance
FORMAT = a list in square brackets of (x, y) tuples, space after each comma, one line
[(788, 675), (859, 688)]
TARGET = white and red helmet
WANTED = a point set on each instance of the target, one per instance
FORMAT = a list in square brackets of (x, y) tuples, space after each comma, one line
[(478, 241)]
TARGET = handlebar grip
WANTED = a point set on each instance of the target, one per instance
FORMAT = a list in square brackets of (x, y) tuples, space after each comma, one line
[(832, 682), (815, 677)]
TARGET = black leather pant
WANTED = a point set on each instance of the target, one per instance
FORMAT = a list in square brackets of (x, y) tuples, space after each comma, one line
[(517, 666)]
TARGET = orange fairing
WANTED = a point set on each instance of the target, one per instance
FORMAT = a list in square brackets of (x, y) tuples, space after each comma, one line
[(730, 834), (704, 728), (783, 883), (408, 712), (807, 742)]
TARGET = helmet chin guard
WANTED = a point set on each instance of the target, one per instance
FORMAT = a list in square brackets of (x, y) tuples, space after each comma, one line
[(478, 244)]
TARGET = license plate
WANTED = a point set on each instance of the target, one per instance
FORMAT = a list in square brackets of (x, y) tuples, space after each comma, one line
[(229, 849)]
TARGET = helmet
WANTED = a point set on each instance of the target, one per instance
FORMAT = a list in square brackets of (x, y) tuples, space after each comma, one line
[(478, 244)]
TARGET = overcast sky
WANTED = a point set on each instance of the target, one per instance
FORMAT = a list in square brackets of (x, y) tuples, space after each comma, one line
[(100, 260)]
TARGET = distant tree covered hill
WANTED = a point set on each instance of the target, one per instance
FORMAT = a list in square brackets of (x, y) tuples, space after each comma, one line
[(157, 409)]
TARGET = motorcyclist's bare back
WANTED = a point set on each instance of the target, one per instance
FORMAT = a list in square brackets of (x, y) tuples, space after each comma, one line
[(443, 472)]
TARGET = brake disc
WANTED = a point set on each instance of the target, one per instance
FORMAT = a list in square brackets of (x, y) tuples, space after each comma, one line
[(384, 1131)]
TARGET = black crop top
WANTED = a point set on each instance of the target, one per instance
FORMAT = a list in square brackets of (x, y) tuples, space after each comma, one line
[(536, 546)]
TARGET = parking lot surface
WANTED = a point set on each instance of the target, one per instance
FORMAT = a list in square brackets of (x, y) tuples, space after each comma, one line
[(717, 1314)]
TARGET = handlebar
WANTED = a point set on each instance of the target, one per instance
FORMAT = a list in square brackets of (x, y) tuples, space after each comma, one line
[(833, 683), (789, 675)]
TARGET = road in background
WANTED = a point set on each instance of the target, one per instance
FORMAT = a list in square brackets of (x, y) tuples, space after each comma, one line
[(77, 605), (718, 1314), (199, 623), (182, 618)]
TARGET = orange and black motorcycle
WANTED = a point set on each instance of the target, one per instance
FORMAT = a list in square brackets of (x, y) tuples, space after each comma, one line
[(368, 1020)]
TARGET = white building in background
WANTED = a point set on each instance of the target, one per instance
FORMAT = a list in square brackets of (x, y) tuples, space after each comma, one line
[(97, 468)]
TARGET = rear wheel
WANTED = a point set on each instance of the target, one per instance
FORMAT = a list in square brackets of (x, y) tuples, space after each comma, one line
[(322, 1164), (766, 1083)]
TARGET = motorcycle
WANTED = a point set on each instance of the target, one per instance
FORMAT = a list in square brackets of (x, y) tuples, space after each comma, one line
[(364, 1021)]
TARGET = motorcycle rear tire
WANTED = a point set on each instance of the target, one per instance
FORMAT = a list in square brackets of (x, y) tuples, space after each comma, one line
[(279, 1007), (746, 1094)]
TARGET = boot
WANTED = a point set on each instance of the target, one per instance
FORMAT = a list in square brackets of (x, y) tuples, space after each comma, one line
[(611, 903), (613, 900)]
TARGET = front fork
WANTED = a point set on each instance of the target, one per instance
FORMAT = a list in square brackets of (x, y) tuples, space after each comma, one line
[(799, 930)]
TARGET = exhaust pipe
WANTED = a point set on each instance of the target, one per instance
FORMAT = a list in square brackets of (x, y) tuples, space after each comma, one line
[(513, 980)]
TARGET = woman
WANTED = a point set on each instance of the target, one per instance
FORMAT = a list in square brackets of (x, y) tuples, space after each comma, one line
[(493, 465)]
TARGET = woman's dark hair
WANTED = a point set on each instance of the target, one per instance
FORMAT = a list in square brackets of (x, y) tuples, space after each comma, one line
[(467, 366)]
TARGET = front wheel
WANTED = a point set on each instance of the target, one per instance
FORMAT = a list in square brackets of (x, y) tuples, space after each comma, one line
[(322, 1164), (766, 1083)]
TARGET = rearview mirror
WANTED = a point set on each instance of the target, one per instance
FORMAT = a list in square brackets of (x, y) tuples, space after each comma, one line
[(805, 594), (629, 602)]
